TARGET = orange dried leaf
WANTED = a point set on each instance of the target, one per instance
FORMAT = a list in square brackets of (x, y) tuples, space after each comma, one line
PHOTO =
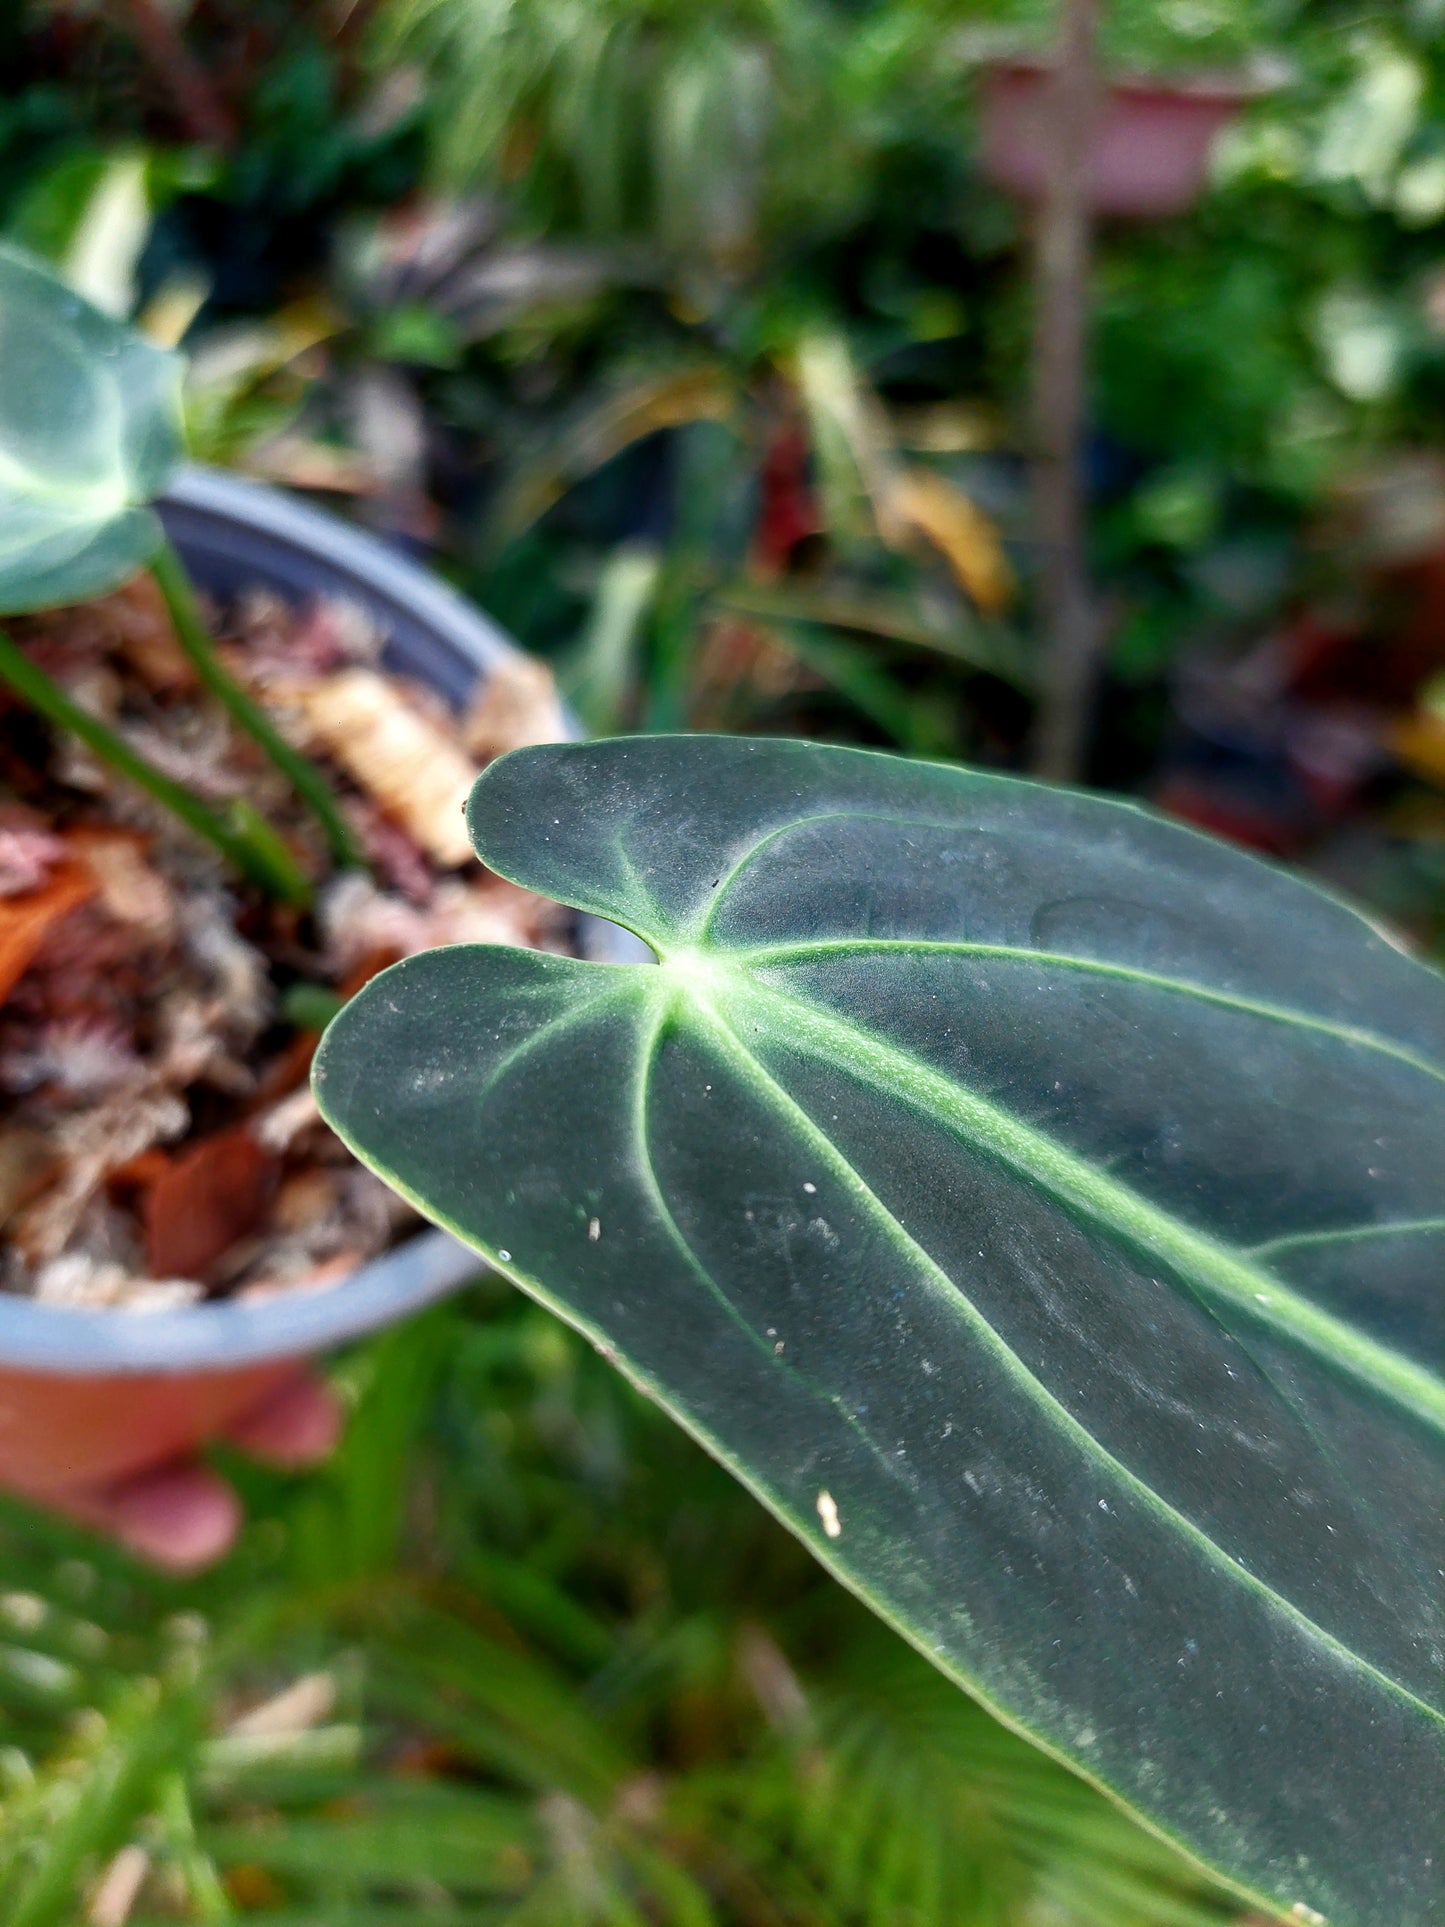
[(26, 921)]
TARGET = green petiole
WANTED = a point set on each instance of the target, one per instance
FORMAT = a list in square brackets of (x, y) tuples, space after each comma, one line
[(310, 1006), (240, 834), (308, 782)]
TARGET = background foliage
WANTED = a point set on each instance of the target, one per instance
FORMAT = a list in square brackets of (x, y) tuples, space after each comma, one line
[(521, 1654)]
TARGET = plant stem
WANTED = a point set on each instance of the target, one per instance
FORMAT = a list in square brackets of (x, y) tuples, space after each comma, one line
[(308, 782), (241, 836)]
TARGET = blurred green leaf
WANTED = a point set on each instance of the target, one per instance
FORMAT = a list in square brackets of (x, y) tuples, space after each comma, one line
[(638, 408), (89, 432), (601, 678)]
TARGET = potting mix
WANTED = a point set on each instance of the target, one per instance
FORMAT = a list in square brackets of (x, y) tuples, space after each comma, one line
[(158, 1139)]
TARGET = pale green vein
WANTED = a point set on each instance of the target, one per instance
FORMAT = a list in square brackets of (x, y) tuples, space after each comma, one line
[(652, 1185), (638, 884), (823, 950), (564, 1021), (77, 501), (1218, 1273), (70, 538), (749, 856), (1348, 1235), (847, 1175), (667, 1011)]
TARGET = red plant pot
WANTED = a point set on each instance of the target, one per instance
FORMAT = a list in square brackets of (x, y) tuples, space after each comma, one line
[(1151, 144), (64, 1432)]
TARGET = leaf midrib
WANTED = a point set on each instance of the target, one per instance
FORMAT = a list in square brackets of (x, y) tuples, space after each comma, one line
[(1222, 1275), (661, 1016), (824, 1146), (822, 950)]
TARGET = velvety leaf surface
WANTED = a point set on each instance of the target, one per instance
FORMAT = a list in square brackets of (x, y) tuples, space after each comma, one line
[(89, 432), (1041, 1206)]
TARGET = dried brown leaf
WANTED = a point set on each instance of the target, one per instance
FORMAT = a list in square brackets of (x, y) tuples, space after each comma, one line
[(213, 1194), (413, 767), (27, 1163), (129, 887), (89, 1145), (516, 706), (921, 502)]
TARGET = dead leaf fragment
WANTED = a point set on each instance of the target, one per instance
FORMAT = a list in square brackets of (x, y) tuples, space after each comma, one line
[(253, 1889), (119, 1888), (210, 1197), (304, 1704), (147, 638), (364, 929), (1419, 742), (26, 921), (130, 889), (28, 853), (27, 1163), (90, 1284), (275, 1128), (922, 502), (515, 707), (396, 754), (88, 1146)]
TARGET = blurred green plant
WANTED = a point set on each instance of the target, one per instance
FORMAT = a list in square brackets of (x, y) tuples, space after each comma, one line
[(646, 181), (520, 1655), (806, 543), (697, 125)]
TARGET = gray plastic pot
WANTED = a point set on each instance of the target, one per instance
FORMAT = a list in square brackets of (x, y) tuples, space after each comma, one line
[(88, 1396)]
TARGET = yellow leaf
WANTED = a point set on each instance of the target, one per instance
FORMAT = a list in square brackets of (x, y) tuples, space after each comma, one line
[(1419, 742), (922, 502)]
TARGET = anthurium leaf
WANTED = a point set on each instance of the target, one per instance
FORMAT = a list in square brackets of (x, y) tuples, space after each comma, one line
[(1039, 1205), (90, 430)]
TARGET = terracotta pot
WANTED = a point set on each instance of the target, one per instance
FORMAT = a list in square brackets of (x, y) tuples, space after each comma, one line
[(1151, 146), (88, 1396)]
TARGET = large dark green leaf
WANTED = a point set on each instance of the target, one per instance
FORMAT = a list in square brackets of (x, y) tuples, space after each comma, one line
[(1040, 1206), (90, 428)]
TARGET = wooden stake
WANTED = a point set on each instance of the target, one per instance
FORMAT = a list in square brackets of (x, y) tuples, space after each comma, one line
[(1064, 242)]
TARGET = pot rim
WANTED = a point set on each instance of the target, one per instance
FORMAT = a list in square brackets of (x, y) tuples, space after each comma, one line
[(1217, 87), (314, 546), (230, 1334)]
